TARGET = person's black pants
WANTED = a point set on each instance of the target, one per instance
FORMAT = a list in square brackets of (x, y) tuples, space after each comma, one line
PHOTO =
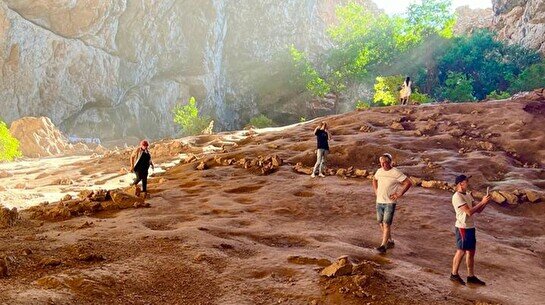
[(141, 176)]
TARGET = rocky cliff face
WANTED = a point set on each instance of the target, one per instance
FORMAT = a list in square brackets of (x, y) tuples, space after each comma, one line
[(117, 68), (521, 21)]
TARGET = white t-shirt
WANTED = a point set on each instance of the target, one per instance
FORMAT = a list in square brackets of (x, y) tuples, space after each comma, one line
[(463, 220), (388, 182)]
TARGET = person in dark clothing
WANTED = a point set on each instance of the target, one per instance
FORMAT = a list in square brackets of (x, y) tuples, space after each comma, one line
[(322, 136), (140, 163)]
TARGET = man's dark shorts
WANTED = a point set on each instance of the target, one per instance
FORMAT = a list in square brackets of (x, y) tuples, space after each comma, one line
[(465, 239), (385, 212)]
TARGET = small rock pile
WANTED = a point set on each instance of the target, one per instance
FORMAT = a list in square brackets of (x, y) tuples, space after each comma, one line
[(351, 278), (87, 203), (263, 165)]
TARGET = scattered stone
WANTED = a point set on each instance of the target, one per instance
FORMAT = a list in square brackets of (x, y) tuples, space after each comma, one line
[(361, 280), (21, 186), (497, 197), (533, 196), (300, 168), (511, 198), (397, 126), (360, 173), (91, 257), (67, 197), (416, 181), (5, 174), (202, 166), (50, 262), (8, 217), (122, 200), (367, 128), (434, 184), (339, 268), (27, 252)]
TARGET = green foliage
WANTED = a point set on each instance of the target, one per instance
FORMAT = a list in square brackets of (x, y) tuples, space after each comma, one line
[(312, 79), (302, 119), (361, 105), (431, 17), (9, 146), (187, 117), (488, 62), (420, 98), (498, 95), (387, 90), (261, 121), (531, 78), (458, 88)]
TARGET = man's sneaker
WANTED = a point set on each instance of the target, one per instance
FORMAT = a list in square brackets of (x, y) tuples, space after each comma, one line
[(381, 249), (475, 280), (313, 175), (321, 175), (456, 278), (390, 244)]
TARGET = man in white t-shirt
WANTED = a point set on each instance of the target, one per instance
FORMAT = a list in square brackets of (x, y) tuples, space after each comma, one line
[(389, 184), (466, 241)]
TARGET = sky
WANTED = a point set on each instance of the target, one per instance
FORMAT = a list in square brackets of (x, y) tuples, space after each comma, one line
[(399, 6)]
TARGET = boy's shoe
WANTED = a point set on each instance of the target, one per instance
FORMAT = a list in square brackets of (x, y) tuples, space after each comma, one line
[(457, 279), (321, 175), (390, 244), (381, 249), (313, 175), (475, 280)]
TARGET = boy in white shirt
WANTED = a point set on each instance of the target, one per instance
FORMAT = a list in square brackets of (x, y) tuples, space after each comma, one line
[(466, 241)]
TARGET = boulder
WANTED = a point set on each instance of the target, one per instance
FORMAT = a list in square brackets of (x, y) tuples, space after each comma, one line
[(300, 168), (339, 268), (5, 174), (397, 126), (511, 198), (360, 173), (497, 197), (8, 217), (533, 196), (122, 200)]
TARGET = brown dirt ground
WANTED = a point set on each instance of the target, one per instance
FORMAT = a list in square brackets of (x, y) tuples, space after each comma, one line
[(228, 236)]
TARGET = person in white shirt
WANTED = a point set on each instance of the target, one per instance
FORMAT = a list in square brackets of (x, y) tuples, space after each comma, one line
[(389, 184), (466, 242)]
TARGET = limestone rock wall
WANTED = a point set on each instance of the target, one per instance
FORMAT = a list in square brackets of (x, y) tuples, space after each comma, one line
[(114, 69), (521, 21)]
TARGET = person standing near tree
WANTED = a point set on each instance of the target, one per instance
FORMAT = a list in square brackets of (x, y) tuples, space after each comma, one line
[(140, 162), (322, 136), (405, 92)]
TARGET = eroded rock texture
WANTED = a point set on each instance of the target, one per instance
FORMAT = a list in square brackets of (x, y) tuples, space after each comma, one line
[(113, 69)]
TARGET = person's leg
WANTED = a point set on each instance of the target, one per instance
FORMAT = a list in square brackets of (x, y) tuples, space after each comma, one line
[(457, 260), (137, 179), (319, 154), (388, 220), (385, 233), (144, 177), (323, 162), (470, 262)]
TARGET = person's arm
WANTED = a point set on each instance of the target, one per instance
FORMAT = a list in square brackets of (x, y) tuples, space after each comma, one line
[(328, 135), (406, 185), (133, 156), (316, 129), (375, 185), (477, 208)]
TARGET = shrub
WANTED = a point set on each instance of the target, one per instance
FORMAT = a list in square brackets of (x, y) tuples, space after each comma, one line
[(458, 88), (9, 146), (187, 117), (361, 105), (531, 78), (420, 98), (387, 90), (498, 95), (261, 121)]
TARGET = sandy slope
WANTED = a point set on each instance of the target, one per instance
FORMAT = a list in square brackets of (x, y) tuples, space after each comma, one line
[(227, 235)]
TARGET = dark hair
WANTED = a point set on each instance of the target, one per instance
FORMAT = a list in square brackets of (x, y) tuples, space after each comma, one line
[(407, 80)]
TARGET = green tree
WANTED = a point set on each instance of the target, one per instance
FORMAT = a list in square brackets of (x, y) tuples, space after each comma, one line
[(9, 146), (308, 74), (458, 88), (531, 78), (498, 95), (261, 121), (188, 118), (487, 61), (387, 90)]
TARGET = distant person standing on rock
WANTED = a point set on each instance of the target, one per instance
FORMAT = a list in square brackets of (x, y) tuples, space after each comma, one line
[(140, 163), (389, 184), (405, 92), (322, 137), (466, 241)]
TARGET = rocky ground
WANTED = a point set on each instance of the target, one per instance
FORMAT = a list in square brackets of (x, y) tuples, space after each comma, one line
[(242, 224)]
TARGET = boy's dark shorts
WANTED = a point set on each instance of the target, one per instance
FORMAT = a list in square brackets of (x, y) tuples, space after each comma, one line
[(465, 239)]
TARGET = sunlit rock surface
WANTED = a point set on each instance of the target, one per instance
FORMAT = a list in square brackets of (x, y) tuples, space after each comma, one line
[(521, 21), (117, 68)]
